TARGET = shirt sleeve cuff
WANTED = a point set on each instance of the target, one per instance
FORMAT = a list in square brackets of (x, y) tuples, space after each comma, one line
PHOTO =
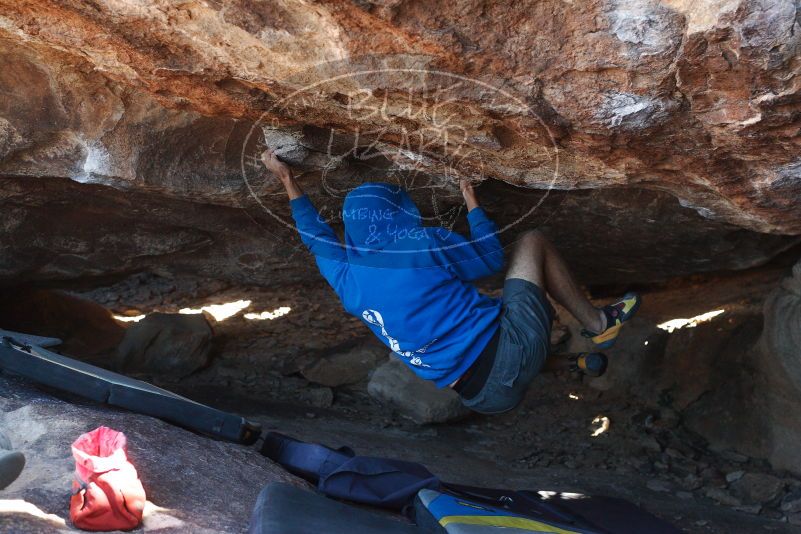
[(477, 216), (301, 203)]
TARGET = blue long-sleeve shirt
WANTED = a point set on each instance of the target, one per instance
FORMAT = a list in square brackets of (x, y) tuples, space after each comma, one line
[(409, 283)]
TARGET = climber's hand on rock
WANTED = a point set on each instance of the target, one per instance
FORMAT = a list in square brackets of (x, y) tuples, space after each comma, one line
[(468, 193), (276, 166), (284, 173)]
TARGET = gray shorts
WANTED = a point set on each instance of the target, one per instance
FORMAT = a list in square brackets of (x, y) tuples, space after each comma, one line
[(523, 344)]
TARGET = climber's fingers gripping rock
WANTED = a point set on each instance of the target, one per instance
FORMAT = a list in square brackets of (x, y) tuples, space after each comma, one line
[(275, 165)]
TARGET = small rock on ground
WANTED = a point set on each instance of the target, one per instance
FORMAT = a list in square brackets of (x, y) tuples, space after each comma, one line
[(733, 456), (343, 368), (749, 508), (317, 397), (791, 503), (734, 476), (756, 488), (658, 485), (722, 496)]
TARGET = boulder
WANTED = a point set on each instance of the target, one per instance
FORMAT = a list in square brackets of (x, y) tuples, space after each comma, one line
[(165, 344), (780, 366), (346, 367), (683, 174), (193, 483), (88, 330), (396, 385), (757, 488)]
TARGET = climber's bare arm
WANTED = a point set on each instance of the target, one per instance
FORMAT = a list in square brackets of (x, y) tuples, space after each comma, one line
[(283, 172), (469, 194)]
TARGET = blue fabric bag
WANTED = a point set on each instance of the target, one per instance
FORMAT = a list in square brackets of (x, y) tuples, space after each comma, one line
[(309, 461), (340, 473), (378, 481), (444, 508)]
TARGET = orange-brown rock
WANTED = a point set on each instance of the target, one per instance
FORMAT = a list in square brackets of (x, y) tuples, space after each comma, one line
[(697, 102)]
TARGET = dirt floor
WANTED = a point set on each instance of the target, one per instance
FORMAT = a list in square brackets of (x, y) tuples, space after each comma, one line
[(550, 442)]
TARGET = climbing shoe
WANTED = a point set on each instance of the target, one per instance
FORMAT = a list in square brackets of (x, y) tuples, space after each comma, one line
[(589, 363), (616, 314)]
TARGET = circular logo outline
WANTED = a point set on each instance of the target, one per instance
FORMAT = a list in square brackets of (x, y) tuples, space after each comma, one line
[(346, 246)]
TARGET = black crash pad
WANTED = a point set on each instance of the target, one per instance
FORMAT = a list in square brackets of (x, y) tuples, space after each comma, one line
[(100, 385), (30, 339), (285, 509)]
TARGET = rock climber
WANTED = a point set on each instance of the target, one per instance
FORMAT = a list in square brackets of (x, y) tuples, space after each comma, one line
[(411, 285)]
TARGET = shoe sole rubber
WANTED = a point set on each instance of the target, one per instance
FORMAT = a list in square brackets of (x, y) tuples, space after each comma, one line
[(605, 341)]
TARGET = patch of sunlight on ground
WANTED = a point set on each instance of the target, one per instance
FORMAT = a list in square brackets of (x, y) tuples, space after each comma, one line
[(220, 312), (676, 324), (268, 315), (157, 518), (129, 319), (18, 506), (602, 425), (562, 495)]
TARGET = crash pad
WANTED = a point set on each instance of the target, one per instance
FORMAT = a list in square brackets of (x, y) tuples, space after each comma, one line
[(31, 339), (285, 509), (98, 384)]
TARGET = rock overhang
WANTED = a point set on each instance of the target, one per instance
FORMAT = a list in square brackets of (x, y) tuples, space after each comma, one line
[(623, 111)]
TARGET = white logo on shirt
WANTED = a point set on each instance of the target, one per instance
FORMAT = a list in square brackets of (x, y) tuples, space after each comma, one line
[(374, 317)]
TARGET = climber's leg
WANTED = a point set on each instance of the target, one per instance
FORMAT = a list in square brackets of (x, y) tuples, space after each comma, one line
[(536, 259)]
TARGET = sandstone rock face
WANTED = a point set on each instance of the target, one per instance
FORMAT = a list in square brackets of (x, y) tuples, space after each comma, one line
[(155, 110), (781, 365), (646, 235), (193, 484), (85, 327)]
